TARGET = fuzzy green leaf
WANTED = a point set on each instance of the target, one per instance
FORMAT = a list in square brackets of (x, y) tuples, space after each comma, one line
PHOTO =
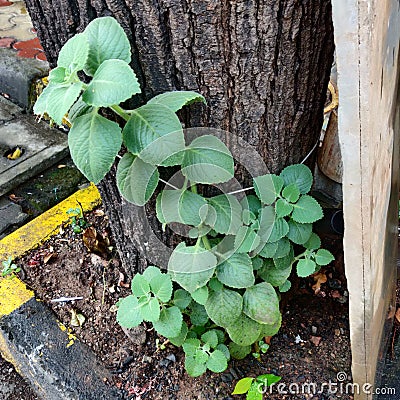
[(128, 314), (299, 233), (107, 41), (150, 272), (113, 83), (227, 214), (307, 210), (170, 322), (198, 314), (251, 203), (177, 99), (283, 249), (182, 298), (139, 285), (224, 306), (323, 257), (313, 243), (94, 142), (136, 180), (56, 99), (239, 352), (180, 339), (224, 349), (279, 230), (261, 303), (151, 310), (161, 286), (276, 277), (200, 295), (236, 271), (270, 329), (283, 208), (74, 54), (194, 368), (268, 187), (285, 287), (191, 267), (155, 134), (207, 160), (284, 262), (180, 206), (246, 240), (269, 250), (299, 175), (291, 193), (305, 267), (211, 338), (244, 331), (217, 362)]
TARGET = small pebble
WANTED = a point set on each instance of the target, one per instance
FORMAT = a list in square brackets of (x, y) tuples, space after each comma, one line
[(314, 330), (171, 357)]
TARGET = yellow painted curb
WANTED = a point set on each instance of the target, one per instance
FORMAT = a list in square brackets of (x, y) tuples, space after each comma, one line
[(45, 225), (13, 293)]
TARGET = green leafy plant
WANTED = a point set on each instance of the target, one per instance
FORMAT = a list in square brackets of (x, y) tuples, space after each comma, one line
[(221, 292), (255, 387), (9, 268), (78, 222)]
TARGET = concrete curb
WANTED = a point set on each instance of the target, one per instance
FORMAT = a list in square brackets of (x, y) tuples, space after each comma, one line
[(41, 349)]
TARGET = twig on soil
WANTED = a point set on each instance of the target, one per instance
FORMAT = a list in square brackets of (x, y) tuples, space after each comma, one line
[(66, 299)]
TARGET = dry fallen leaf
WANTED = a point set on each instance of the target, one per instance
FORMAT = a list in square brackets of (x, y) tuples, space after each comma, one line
[(94, 242), (77, 319), (48, 257), (319, 278)]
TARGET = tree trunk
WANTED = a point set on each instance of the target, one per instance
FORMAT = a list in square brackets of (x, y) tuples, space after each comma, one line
[(262, 66)]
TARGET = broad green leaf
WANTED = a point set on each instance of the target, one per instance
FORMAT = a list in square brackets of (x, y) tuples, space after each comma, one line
[(270, 329), (181, 206), (215, 284), (182, 298), (57, 99), (313, 243), (291, 193), (107, 41), (257, 263), (269, 250), (285, 287), (217, 362), (155, 134), (190, 346), (74, 54), (323, 257), (113, 83), (161, 286), (151, 310), (222, 347), (244, 331), (268, 187), (224, 307), (268, 379), (179, 340), (177, 99), (285, 262), (128, 314), (283, 208), (170, 322), (239, 352), (78, 109), (191, 267), (246, 240), (298, 174), (211, 338), (299, 233), (283, 249), (139, 285), (136, 180), (261, 303), (150, 272), (276, 277), (227, 214), (279, 230), (207, 160), (251, 203), (236, 271), (94, 142), (198, 314), (266, 218), (200, 295), (307, 210), (305, 267), (243, 385), (58, 75), (201, 356), (193, 368), (254, 393)]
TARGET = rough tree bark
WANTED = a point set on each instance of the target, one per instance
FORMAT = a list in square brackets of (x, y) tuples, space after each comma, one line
[(263, 67)]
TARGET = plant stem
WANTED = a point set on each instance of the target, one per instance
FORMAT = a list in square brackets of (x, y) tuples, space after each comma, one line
[(206, 242), (193, 188), (120, 111)]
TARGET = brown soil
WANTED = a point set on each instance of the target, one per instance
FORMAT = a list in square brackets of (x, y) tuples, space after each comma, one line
[(312, 345)]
